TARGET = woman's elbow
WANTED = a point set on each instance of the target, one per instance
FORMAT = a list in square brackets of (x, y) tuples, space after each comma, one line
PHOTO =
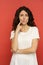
[(34, 50), (14, 49)]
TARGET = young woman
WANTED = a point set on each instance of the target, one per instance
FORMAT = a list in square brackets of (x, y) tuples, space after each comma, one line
[(24, 38)]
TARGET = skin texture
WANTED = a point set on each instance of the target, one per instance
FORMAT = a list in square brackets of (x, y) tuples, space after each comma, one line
[(23, 16)]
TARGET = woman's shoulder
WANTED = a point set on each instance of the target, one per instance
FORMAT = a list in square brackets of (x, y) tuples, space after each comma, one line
[(35, 32), (34, 28), (12, 34), (13, 31)]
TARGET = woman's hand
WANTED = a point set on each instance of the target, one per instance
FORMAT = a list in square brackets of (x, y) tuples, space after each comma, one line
[(18, 27), (19, 51)]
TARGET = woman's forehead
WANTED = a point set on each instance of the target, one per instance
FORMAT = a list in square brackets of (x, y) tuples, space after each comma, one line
[(23, 11)]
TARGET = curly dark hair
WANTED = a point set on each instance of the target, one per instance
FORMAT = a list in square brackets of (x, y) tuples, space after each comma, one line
[(16, 17)]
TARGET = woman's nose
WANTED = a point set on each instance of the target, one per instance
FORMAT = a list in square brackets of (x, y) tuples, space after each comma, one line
[(24, 17)]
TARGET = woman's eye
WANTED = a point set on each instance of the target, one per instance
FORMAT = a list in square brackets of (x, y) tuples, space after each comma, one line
[(26, 15), (21, 15)]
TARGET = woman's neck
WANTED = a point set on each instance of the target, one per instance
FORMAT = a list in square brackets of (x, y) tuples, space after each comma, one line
[(24, 27)]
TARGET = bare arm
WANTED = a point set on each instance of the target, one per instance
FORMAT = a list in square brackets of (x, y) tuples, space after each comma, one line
[(29, 50), (14, 42)]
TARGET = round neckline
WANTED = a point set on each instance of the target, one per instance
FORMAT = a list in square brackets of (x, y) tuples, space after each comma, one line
[(26, 31)]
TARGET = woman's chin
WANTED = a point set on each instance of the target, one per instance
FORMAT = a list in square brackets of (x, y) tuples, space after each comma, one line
[(23, 23)]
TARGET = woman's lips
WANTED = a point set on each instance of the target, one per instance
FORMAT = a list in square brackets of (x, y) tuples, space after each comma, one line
[(23, 21)]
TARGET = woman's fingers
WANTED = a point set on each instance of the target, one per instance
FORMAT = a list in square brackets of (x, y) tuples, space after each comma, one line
[(19, 23)]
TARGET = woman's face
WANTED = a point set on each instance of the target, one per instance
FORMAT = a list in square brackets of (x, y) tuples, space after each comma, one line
[(23, 17)]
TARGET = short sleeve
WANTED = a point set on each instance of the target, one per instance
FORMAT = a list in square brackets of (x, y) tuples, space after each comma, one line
[(35, 33), (12, 34)]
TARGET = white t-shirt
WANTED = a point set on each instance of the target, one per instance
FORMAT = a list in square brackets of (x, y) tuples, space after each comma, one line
[(25, 41)]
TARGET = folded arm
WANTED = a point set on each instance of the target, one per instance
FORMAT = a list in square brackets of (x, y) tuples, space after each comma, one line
[(29, 50)]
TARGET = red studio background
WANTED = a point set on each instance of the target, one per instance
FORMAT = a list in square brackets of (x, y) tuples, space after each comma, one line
[(7, 11)]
